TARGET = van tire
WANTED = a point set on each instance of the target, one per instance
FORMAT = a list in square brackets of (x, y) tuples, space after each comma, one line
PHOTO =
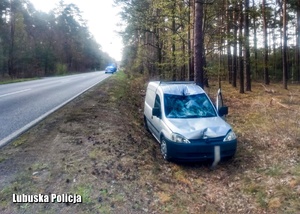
[(164, 149)]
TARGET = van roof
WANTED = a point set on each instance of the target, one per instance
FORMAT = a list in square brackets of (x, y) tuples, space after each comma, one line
[(180, 88)]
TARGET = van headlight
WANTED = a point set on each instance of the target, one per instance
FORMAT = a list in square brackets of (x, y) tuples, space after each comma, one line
[(230, 136), (177, 138)]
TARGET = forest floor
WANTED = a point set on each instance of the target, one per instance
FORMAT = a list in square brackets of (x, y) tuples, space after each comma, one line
[(96, 147)]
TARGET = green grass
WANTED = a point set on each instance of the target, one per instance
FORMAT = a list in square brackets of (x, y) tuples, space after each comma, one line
[(19, 141), (274, 171), (2, 159), (8, 81), (85, 191), (119, 92)]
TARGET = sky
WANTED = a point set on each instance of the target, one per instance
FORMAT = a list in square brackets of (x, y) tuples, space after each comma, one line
[(102, 19)]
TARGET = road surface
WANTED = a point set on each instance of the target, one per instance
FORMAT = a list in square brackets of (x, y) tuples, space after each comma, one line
[(24, 104)]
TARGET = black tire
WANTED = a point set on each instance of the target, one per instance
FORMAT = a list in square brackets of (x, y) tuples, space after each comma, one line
[(164, 149)]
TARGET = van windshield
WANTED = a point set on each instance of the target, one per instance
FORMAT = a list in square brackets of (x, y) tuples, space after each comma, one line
[(191, 106)]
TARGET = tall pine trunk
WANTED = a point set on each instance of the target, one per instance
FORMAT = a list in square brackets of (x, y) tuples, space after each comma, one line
[(255, 41), (174, 67), (11, 56), (229, 56), (298, 44), (284, 48), (241, 67), (234, 60), (266, 51), (247, 48), (191, 39), (198, 44)]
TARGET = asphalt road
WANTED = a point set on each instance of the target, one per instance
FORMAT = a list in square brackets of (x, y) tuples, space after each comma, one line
[(24, 104)]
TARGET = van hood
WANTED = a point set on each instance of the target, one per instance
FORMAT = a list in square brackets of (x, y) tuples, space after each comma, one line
[(198, 128)]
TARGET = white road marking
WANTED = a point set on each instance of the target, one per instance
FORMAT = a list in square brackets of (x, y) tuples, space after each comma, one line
[(15, 92)]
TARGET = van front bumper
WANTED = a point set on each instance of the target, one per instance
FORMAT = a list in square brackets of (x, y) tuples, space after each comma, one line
[(199, 151)]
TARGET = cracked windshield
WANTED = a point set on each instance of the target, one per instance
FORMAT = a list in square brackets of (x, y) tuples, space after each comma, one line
[(193, 106)]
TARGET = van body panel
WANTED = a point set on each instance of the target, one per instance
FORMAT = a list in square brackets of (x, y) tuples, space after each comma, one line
[(153, 122)]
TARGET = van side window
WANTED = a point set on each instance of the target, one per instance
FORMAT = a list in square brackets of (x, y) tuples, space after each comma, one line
[(157, 102)]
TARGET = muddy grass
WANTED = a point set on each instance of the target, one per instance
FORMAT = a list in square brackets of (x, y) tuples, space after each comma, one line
[(96, 147)]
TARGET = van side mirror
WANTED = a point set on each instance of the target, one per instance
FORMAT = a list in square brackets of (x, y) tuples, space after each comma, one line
[(156, 112), (219, 99), (223, 111)]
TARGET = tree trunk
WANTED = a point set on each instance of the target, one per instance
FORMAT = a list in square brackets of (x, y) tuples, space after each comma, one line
[(183, 66), (284, 57), (274, 43), (298, 45), (198, 44), (190, 41), (246, 48), (266, 52), (241, 67), (234, 61), (255, 41), (11, 58), (229, 56), (174, 68)]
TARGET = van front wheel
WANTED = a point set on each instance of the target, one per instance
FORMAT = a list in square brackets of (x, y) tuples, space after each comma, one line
[(164, 149)]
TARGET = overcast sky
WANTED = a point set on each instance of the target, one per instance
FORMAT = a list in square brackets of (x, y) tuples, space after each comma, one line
[(102, 20)]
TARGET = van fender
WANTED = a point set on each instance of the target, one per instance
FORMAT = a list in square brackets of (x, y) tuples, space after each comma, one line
[(165, 132)]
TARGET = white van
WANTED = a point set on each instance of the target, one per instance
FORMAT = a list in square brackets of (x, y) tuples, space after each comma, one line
[(185, 122)]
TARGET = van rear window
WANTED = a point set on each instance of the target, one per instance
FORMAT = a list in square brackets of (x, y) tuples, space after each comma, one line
[(192, 106)]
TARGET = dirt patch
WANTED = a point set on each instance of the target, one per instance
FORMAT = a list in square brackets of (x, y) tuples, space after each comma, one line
[(96, 147)]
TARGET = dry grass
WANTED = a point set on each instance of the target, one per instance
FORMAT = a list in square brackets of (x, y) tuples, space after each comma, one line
[(268, 128), (97, 147)]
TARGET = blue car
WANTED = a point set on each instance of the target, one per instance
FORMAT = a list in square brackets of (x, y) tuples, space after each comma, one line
[(110, 69)]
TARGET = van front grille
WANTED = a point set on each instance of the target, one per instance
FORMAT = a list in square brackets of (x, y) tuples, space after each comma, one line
[(209, 140)]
